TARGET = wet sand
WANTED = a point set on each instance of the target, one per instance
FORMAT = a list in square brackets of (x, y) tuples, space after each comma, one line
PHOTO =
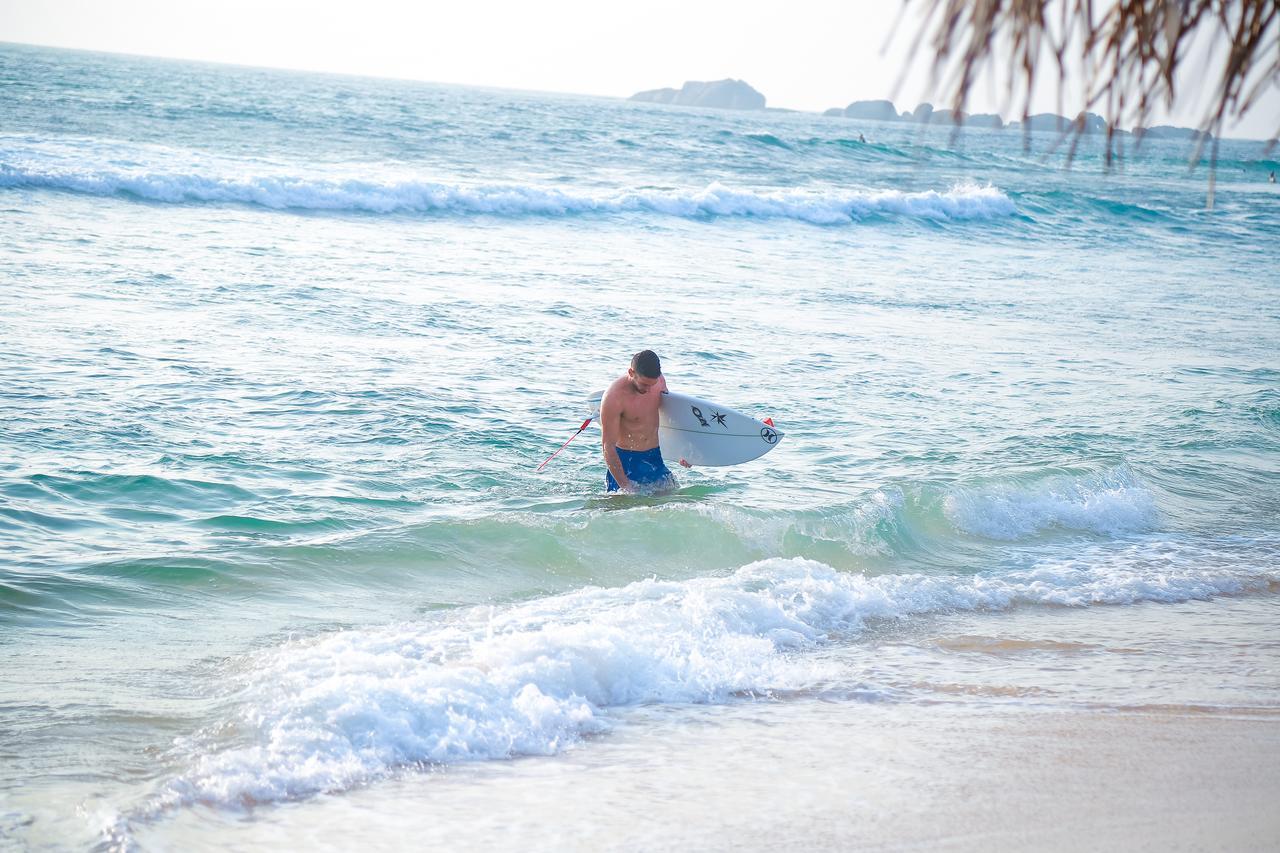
[(815, 775)]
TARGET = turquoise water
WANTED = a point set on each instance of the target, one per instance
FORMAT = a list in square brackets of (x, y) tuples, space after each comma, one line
[(280, 354)]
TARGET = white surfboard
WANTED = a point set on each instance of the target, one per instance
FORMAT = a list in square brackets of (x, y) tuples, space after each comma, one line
[(706, 433)]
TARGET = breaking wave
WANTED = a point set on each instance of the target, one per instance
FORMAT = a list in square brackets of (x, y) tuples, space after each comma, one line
[(1111, 502), (329, 713), (193, 180)]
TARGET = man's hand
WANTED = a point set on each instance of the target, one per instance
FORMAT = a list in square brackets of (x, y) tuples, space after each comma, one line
[(685, 462)]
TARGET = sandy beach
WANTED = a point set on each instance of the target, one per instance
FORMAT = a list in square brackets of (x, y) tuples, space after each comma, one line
[(814, 776), (1029, 744)]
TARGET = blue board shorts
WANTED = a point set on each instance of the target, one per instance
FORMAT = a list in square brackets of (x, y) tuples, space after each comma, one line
[(644, 468)]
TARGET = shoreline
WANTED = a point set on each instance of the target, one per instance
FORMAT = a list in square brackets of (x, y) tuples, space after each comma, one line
[(819, 775)]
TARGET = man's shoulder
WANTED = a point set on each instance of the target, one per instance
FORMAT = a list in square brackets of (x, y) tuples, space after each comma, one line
[(617, 390)]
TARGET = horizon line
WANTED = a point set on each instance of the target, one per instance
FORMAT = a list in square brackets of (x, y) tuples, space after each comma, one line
[(374, 76)]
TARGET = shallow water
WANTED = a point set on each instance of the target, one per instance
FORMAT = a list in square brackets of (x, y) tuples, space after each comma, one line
[(280, 354)]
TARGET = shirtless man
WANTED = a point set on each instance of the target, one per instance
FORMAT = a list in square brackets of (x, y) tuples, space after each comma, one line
[(629, 419)]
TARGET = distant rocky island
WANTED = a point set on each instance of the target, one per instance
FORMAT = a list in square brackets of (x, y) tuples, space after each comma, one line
[(738, 95), (720, 94), (926, 114)]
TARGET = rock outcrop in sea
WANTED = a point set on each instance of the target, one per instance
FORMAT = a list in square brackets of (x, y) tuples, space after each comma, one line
[(1088, 123), (925, 114), (877, 110), (1054, 123), (1165, 131), (720, 94)]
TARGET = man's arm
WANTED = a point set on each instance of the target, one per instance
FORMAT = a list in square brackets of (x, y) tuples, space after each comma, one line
[(610, 423)]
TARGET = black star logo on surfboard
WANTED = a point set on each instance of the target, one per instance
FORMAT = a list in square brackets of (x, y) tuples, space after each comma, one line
[(719, 418)]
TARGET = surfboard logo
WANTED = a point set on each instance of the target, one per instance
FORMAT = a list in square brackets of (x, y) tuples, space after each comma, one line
[(719, 418), (697, 413), (769, 436)]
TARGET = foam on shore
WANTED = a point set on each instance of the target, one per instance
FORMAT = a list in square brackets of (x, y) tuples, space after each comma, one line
[(327, 714)]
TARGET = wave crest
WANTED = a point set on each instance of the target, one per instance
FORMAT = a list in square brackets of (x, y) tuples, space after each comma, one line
[(488, 683), (1111, 502), (171, 179)]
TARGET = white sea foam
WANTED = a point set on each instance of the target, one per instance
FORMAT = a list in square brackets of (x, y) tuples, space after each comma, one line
[(530, 679), (1112, 502), (186, 178)]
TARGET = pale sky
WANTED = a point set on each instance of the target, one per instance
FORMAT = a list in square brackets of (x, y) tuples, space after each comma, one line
[(801, 54)]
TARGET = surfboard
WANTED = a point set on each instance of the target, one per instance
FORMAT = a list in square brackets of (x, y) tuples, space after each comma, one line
[(707, 433)]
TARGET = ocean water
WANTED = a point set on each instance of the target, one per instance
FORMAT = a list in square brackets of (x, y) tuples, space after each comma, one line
[(281, 352)]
